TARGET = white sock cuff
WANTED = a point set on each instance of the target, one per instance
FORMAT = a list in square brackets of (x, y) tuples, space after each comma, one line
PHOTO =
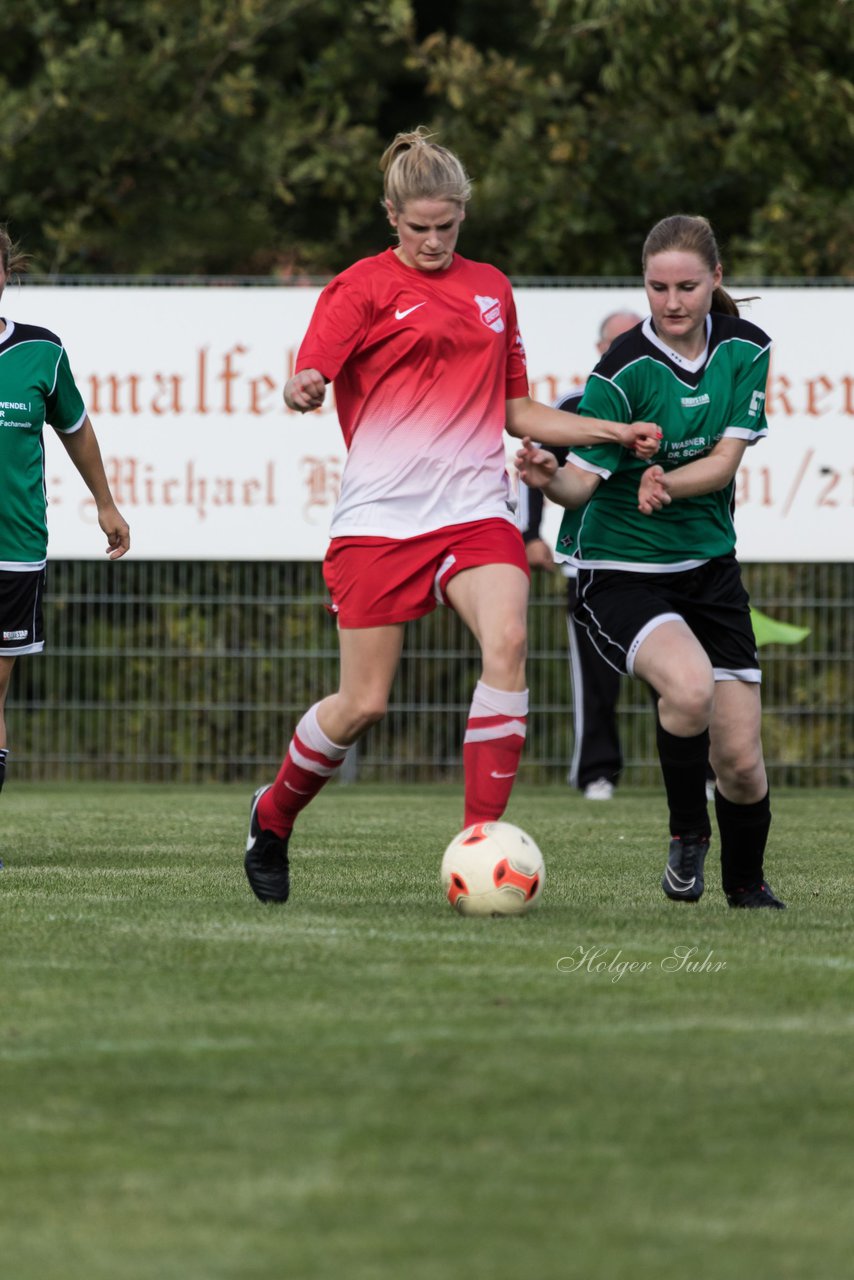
[(498, 702), (313, 736)]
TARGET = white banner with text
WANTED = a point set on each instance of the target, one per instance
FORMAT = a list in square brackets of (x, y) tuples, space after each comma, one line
[(184, 387)]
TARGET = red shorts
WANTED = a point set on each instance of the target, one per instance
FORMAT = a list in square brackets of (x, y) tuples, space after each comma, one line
[(376, 582)]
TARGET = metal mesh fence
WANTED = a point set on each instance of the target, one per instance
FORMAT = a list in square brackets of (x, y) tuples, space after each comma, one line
[(168, 671)]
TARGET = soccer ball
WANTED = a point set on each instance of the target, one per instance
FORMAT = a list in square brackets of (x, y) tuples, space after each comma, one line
[(493, 869)]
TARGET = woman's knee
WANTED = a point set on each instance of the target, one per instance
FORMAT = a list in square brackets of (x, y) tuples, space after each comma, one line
[(507, 650), (739, 766), (690, 697), (362, 712)]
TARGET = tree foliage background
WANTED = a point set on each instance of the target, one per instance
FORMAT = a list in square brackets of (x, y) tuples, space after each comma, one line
[(242, 136)]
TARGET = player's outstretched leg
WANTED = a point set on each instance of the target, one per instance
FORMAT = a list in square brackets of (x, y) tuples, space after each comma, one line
[(311, 760)]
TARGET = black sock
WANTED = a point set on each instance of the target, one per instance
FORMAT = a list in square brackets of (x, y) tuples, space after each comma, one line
[(683, 765), (4, 751), (744, 834)]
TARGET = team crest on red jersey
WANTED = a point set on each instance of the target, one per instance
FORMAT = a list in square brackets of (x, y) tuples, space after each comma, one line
[(490, 312)]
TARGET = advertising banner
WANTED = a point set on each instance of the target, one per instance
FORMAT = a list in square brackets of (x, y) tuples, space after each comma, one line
[(184, 387)]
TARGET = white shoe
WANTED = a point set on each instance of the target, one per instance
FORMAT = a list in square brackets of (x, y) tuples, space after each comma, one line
[(601, 789)]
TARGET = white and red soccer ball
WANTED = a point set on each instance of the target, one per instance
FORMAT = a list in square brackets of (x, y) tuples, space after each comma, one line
[(493, 869)]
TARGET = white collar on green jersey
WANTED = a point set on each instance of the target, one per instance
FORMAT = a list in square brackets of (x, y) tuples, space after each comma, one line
[(691, 365)]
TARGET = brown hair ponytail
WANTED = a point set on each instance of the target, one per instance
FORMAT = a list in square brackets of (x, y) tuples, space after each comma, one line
[(12, 257)]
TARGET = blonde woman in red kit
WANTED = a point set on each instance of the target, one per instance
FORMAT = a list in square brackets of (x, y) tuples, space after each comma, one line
[(429, 369)]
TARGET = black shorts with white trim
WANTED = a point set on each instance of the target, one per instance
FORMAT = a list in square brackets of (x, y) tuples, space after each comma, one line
[(21, 617), (619, 608)]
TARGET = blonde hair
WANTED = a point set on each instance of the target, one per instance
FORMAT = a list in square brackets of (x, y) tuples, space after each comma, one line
[(417, 169), (690, 233), (12, 257)]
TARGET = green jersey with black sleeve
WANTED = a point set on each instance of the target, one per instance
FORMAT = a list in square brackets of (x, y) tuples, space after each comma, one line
[(36, 387), (696, 403)]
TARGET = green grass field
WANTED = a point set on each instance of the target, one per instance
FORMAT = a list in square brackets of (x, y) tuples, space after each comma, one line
[(363, 1085)]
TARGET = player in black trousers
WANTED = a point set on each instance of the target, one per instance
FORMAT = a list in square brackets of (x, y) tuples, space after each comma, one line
[(597, 758)]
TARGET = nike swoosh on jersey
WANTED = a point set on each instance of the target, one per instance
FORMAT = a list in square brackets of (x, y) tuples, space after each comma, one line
[(503, 775), (401, 315)]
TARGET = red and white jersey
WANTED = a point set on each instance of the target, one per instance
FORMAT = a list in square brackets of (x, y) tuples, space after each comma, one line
[(422, 364)]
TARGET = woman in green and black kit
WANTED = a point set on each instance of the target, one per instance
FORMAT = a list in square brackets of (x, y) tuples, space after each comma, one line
[(36, 387), (659, 587)]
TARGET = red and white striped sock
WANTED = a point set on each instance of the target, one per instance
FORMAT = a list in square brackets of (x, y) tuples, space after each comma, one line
[(492, 749), (312, 759)]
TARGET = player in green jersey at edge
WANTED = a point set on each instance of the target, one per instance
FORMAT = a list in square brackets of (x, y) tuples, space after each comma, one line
[(659, 587), (36, 386)]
